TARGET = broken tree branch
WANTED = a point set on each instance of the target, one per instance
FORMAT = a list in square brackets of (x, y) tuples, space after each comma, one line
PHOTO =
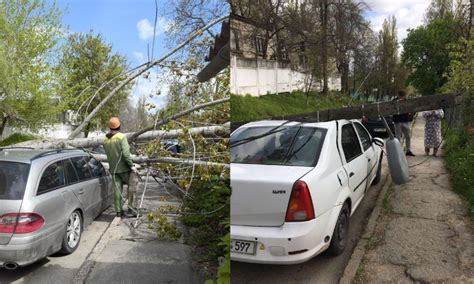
[(139, 72), (165, 160), (176, 116)]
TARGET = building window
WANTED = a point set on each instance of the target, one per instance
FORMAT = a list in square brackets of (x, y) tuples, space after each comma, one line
[(235, 40), (259, 46)]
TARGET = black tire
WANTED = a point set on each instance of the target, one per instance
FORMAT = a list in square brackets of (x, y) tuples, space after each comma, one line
[(378, 175), (72, 236), (341, 232)]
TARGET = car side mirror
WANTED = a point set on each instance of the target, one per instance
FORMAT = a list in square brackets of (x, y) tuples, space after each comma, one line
[(378, 141)]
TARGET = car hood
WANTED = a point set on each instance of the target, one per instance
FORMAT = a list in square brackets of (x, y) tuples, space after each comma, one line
[(260, 193)]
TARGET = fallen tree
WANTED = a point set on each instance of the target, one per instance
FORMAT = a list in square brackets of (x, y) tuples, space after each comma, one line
[(374, 110), (139, 71), (165, 160), (159, 123), (206, 131)]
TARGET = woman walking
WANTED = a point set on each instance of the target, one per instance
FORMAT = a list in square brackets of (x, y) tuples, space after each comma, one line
[(433, 130)]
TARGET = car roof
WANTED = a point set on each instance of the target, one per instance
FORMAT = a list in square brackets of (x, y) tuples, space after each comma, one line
[(326, 124), (23, 155)]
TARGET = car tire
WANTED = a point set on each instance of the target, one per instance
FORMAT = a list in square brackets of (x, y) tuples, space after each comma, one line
[(378, 175), (73, 233), (341, 232)]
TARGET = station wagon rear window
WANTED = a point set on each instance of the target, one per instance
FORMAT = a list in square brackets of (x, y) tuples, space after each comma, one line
[(13, 177), (288, 145)]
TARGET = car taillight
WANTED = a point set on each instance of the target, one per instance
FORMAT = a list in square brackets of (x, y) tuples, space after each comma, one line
[(21, 223), (300, 207)]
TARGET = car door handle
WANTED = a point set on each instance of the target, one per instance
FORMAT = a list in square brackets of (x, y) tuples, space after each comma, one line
[(351, 174), (81, 192)]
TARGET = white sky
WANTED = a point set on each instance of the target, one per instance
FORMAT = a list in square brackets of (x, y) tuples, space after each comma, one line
[(150, 85), (408, 14), (145, 27)]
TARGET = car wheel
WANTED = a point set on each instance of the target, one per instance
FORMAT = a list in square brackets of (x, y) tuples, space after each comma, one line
[(378, 175), (341, 232), (73, 233)]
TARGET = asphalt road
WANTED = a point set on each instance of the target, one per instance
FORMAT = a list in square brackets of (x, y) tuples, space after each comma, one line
[(323, 268), (57, 268)]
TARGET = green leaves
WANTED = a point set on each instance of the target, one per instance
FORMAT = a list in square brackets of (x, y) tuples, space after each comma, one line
[(426, 53), (89, 70), (29, 32)]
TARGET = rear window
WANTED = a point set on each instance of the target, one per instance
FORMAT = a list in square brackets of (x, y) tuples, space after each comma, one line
[(288, 145), (13, 177)]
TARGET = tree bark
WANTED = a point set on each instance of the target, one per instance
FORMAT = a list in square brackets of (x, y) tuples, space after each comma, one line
[(165, 160), (208, 131), (324, 46), (178, 115), (344, 69)]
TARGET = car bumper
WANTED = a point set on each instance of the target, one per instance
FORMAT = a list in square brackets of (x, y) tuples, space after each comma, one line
[(290, 243), (27, 249)]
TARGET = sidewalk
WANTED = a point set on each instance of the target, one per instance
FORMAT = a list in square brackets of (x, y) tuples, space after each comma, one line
[(136, 255), (423, 233)]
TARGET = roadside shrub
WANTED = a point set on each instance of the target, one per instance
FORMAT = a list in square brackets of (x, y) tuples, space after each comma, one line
[(208, 216), (459, 149)]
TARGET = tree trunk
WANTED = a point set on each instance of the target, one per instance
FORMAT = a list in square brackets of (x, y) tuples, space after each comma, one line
[(206, 131), (87, 129), (4, 124), (324, 46), (344, 77)]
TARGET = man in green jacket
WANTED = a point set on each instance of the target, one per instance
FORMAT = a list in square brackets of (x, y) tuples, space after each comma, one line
[(120, 165)]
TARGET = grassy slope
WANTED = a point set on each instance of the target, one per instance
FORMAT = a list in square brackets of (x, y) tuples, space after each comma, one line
[(246, 108), (459, 149), (16, 138)]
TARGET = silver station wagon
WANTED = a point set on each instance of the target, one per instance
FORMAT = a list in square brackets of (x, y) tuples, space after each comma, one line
[(47, 197)]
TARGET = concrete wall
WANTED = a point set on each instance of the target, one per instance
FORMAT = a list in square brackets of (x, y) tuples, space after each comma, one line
[(261, 77), (56, 131)]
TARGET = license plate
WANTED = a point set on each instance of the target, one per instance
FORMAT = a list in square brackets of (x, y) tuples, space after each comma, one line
[(380, 130), (240, 246)]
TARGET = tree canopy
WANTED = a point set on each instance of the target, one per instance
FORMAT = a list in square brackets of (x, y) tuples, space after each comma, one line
[(29, 32), (426, 53), (89, 70)]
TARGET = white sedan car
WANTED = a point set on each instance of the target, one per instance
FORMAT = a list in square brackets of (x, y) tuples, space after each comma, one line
[(295, 186)]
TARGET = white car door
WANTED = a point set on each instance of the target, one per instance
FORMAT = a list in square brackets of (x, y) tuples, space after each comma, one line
[(369, 151), (355, 162)]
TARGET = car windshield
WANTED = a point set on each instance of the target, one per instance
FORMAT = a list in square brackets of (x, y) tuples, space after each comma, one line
[(288, 145), (13, 178)]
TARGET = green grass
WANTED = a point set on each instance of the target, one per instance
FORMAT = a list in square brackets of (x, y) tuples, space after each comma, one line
[(459, 150), (16, 138), (247, 108)]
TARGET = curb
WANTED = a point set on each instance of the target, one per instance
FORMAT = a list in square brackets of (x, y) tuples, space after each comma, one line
[(358, 254), (86, 267), (359, 251)]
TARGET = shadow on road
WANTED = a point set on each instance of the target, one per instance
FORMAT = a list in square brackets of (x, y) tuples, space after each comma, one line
[(7, 276)]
